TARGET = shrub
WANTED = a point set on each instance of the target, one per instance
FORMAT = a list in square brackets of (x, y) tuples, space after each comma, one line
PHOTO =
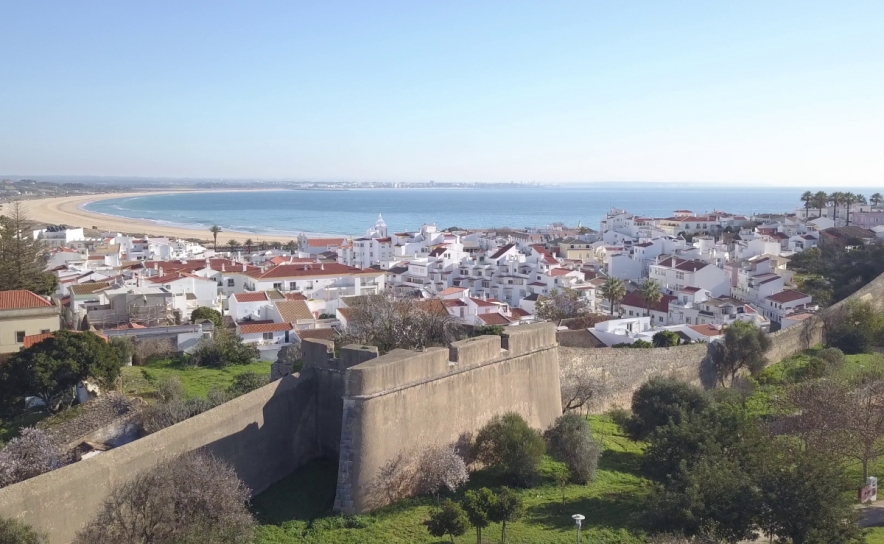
[(620, 418), (15, 532), (194, 498), (665, 339), (246, 383), (661, 401), (489, 330), (849, 340), (449, 519), (206, 314), (638, 344), (223, 349), (30, 454), (148, 350), (570, 441), (834, 357), (170, 389), (507, 442)]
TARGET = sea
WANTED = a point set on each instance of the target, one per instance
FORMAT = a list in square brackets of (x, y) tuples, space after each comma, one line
[(351, 212)]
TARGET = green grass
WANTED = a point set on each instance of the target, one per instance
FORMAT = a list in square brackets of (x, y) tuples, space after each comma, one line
[(298, 508), (197, 381), (875, 535)]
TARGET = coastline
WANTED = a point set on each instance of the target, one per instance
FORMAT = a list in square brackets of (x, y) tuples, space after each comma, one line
[(68, 210)]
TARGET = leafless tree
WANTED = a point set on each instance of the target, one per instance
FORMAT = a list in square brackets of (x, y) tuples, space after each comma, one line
[(579, 388), (145, 350), (394, 481), (561, 304), (30, 454), (440, 467), (389, 323), (194, 498), (832, 417)]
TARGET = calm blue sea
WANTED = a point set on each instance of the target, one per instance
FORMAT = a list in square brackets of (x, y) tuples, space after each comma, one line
[(351, 212)]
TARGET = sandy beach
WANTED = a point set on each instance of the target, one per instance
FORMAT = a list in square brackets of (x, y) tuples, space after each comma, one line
[(66, 210)]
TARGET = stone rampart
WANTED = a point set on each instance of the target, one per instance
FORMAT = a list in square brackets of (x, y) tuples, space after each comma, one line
[(406, 401)]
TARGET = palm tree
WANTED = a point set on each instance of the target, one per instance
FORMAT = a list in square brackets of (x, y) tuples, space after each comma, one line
[(276, 245), (820, 200), (248, 243), (650, 293), (262, 245), (836, 199), (291, 246), (807, 198), (876, 199), (849, 198), (232, 244), (215, 230), (613, 290)]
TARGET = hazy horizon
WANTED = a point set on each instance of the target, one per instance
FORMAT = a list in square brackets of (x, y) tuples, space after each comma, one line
[(785, 94)]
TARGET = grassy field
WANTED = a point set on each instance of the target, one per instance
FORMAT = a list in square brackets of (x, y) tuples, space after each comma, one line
[(197, 381), (298, 508)]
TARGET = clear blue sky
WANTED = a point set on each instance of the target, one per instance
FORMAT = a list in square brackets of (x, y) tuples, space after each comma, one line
[(725, 92)]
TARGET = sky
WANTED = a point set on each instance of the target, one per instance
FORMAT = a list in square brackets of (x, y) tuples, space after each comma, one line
[(775, 93)]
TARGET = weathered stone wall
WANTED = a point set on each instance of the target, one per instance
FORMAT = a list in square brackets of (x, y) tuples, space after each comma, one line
[(406, 401), (265, 435)]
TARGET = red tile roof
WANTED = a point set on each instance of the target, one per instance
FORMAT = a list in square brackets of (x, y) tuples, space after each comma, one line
[(705, 330), (32, 339), (635, 300), (312, 270), (325, 242), (453, 302), (252, 328), (21, 299), (555, 272), (499, 253), (494, 319), (251, 297), (788, 295), (518, 312), (681, 264), (452, 291)]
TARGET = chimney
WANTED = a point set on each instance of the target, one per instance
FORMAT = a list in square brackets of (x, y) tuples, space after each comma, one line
[(156, 265), (223, 267), (161, 271), (322, 267), (243, 267)]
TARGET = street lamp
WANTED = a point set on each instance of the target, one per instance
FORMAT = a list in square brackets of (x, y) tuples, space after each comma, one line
[(578, 519)]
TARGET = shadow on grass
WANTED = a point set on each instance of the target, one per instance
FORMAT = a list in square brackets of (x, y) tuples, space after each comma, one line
[(615, 511), (306, 494), (621, 461)]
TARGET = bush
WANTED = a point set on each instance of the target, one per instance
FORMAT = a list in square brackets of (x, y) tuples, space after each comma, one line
[(194, 498), (638, 344), (246, 383), (224, 349), (834, 357), (158, 416), (570, 441), (170, 389), (488, 330), (207, 314), (148, 350), (665, 339), (440, 467), (849, 340), (620, 418), (15, 532), (449, 519), (661, 401), (507, 442), (30, 454)]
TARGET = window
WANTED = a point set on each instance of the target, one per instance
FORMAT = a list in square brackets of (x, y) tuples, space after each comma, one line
[(19, 336), (268, 336), (679, 275), (44, 331), (660, 318), (293, 286), (277, 285), (687, 320), (229, 282)]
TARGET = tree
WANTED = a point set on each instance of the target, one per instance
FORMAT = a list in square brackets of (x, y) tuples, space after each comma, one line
[(291, 246), (193, 498), (507, 507), (570, 441), (661, 401), (665, 339), (650, 293), (808, 198), (248, 243), (820, 200), (508, 443), (613, 290), (561, 304), (743, 347), (246, 383), (478, 505), (803, 501), (836, 199), (21, 256), (15, 532), (262, 245), (30, 454), (848, 199), (389, 323), (232, 245), (440, 467), (51, 369), (215, 230), (579, 385), (449, 519), (204, 313), (876, 199), (223, 349)]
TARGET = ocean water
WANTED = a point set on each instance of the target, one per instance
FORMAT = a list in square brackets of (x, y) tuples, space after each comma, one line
[(352, 212)]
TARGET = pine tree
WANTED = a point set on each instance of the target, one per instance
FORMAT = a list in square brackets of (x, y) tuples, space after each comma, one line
[(21, 256)]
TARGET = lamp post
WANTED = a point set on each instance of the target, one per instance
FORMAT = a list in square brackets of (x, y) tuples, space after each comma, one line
[(578, 519)]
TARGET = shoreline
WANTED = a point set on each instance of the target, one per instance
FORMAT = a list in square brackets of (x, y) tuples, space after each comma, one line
[(68, 210)]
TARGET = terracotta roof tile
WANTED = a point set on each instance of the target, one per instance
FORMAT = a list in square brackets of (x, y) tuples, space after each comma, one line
[(788, 295), (494, 319), (21, 299), (88, 288), (294, 310), (252, 328), (317, 334), (251, 297)]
